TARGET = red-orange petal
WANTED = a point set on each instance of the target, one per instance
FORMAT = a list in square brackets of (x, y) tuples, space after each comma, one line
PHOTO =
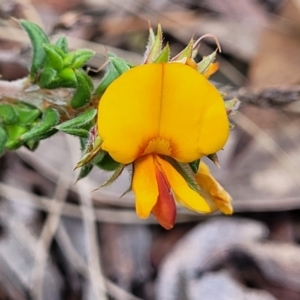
[(165, 208)]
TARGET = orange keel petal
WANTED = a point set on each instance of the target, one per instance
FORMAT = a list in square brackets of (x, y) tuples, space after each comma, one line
[(165, 207)]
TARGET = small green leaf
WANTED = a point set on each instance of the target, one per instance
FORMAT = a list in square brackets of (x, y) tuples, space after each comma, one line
[(76, 131), (49, 120), (83, 93), (62, 43), (47, 78), (54, 57), (110, 75), (81, 57), (26, 114), (67, 77), (14, 132), (38, 38), (3, 139), (120, 64), (8, 114), (164, 55), (87, 78), (195, 165), (116, 67), (78, 122), (107, 163)]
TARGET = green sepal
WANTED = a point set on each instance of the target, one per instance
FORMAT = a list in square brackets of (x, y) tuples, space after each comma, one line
[(186, 172), (83, 92), (155, 47), (31, 145), (40, 131), (38, 38), (93, 153), (117, 172), (3, 139), (84, 171), (195, 165), (54, 57), (187, 52), (8, 114), (107, 163), (214, 158), (232, 106), (62, 43), (81, 57), (116, 67), (164, 55), (78, 122), (203, 65)]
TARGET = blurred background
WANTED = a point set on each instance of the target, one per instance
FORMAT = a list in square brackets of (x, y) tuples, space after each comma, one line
[(60, 240)]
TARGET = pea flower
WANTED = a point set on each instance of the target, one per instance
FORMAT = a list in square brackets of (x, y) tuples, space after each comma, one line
[(163, 117)]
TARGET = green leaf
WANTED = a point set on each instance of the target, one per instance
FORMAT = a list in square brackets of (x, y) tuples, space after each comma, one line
[(76, 131), (62, 43), (119, 63), (8, 114), (87, 78), (83, 93), (110, 75), (195, 165), (81, 57), (80, 121), (27, 115), (67, 77), (3, 139), (49, 120), (38, 38), (47, 78), (54, 57), (107, 163), (14, 132)]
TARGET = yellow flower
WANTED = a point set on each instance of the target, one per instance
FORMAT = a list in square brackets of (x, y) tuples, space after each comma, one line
[(156, 113)]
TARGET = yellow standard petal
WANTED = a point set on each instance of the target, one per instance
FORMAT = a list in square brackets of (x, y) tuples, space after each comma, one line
[(168, 109), (144, 185), (183, 193), (212, 191)]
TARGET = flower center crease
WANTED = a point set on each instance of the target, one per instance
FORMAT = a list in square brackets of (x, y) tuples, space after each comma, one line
[(158, 146)]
